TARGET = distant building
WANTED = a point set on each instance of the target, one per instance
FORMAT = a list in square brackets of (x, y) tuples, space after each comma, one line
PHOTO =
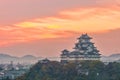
[(13, 71), (84, 50), (10, 66), (12, 74)]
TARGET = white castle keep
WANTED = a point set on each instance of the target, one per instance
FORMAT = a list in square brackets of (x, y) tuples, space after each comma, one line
[(84, 50)]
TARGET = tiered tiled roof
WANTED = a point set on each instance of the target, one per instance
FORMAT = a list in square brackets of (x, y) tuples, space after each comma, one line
[(83, 48)]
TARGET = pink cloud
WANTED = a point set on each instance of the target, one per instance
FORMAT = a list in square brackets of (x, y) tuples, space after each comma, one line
[(65, 24), (29, 22)]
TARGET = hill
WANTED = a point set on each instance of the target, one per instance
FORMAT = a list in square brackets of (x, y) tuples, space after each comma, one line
[(5, 58), (111, 58), (85, 70)]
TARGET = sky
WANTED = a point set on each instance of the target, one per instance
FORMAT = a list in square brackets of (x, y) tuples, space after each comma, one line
[(46, 27)]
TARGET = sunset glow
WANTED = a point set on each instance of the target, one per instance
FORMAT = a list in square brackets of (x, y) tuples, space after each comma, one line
[(67, 22), (79, 20)]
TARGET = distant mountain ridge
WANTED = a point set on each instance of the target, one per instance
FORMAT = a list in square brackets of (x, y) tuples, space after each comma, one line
[(111, 58), (6, 55), (9, 56), (29, 57), (115, 55), (5, 58)]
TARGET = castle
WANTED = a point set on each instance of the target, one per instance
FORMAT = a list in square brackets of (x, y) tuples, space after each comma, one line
[(84, 50)]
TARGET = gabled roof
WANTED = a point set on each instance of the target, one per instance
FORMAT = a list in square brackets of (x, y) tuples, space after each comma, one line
[(75, 53), (65, 50), (85, 36)]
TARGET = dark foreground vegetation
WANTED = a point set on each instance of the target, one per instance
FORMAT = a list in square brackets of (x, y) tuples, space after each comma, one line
[(86, 70)]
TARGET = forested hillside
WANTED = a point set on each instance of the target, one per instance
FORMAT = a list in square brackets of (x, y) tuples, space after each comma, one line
[(85, 70)]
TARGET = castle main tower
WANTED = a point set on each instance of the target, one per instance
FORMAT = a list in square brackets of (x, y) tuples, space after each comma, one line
[(84, 50)]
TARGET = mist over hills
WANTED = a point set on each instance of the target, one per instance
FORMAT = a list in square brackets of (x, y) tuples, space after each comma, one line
[(111, 58), (30, 59)]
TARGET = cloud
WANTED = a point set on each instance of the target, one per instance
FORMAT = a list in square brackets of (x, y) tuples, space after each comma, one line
[(79, 20), (43, 19), (66, 23), (23, 35), (12, 11)]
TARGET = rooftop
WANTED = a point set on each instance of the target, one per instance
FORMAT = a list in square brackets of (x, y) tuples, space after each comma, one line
[(85, 36)]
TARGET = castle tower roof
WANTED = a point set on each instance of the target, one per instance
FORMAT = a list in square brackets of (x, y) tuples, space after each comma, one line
[(85, 36), (65, 50)]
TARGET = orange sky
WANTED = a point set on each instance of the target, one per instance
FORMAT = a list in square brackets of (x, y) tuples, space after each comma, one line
[(25, 23)]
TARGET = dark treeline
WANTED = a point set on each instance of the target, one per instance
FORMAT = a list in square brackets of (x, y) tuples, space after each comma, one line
[(85, 70)]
